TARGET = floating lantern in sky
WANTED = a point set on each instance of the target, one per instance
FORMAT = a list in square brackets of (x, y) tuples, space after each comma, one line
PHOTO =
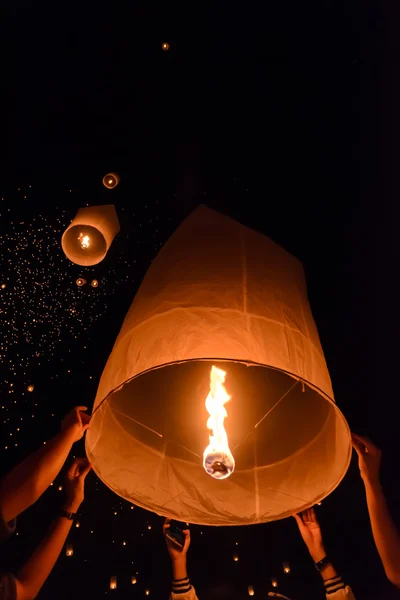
[(111, 180), (235, 558), (69, 550), (80, 281), (165, 46), (30, 388), (113, 582), (274, 582), (89, 236), (147, 592), (133, 580), (3, 286), (286, 567), (94, 283), (225, 300), (250, 590)]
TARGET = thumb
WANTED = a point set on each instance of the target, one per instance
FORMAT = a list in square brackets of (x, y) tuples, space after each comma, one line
[(85, 470)]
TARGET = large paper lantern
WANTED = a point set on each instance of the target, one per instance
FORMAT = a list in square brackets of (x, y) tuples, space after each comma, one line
[(219, 295), (89, 236)]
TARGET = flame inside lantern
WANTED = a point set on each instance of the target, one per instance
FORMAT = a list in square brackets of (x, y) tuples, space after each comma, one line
[(217, 458), (84, 241)]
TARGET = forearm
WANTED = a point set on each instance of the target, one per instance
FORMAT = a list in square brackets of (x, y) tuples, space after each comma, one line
[(179, 569), (28, 480), (386, 536), (34, 573)]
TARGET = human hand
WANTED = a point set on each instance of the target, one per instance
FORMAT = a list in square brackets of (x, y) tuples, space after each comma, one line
[(176, 552), (369, 458), (75, 483), (311, 533), (76, 422)]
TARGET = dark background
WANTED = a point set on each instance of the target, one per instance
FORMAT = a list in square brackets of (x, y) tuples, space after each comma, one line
[(282, 115)]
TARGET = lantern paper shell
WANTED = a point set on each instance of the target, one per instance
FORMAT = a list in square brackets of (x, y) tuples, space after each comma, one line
[(111, 180), (100, 225), (219, 294)]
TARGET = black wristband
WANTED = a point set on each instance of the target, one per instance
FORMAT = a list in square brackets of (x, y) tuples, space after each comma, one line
[(323, 563), (68, 515)]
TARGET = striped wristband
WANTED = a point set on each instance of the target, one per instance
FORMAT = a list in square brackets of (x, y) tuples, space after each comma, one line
[(181, 586), (334, 584)]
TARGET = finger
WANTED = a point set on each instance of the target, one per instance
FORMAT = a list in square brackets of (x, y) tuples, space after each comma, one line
[(79, 409), (166, 526), (86, 470), (167, 520), (313, 516)]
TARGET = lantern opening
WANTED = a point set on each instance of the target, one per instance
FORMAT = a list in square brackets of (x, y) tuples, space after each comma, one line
[(217, 458)]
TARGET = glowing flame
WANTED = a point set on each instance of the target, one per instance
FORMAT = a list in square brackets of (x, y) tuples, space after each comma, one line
[(84, 240), (217, 458)]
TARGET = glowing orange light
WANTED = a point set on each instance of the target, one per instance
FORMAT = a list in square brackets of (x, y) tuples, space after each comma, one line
[(274, 582), (94, 283), (133, 580), (217, 458), (165, 46), (250, 589), (30, 388), (84, 241), (113, 582), (111, 180), (235, 558), (286, 567), (3, 286), (69, 550), (147, 592), (80, 281)]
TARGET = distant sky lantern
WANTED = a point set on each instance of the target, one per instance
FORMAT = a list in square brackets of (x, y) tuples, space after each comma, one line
[(111, 180), (165, 46), (286, 567), (235, 558), (89, 236), (222, 313), (133, 580), (147, 592), (80, 281), (250, 590), (30, 388), (94, 283), (113, 582), (69, 550), (274, 582), (3, 286)]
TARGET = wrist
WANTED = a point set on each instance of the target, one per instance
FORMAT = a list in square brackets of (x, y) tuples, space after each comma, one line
[(372, 483), (318, 553), (71, 507)]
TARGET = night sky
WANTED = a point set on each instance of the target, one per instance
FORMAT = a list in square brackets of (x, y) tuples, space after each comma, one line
[(283, 116)]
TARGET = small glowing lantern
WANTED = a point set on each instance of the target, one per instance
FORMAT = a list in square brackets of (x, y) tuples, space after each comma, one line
[(147, 592), (30, 388), (133, 580), (113, 582), (222, 312), (60, 488), (3, 286), (274, 582), (111, 180), (77, 524), (94, 283), (69, 550), (286, 567), (80, 281), (250, 589), (235, 558), (89, 236), (165, 46)]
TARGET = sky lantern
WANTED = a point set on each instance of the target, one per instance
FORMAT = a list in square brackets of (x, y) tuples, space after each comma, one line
[(215, 406), (113, 582), (165, 46), (89, 236), (30, 388), (69, 550), (111, 180)]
